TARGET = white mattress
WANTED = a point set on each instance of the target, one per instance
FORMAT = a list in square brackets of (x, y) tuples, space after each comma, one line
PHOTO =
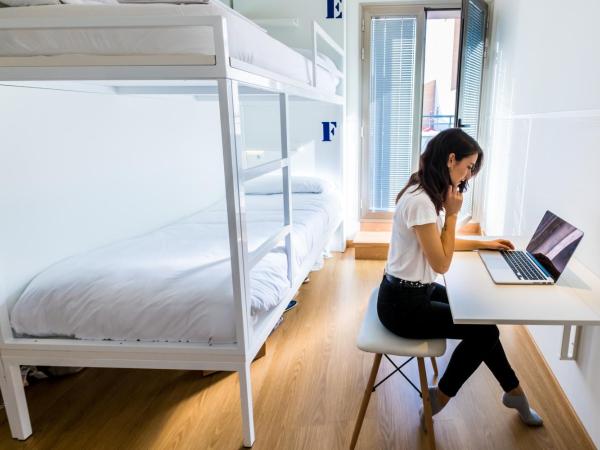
[(173, 284), (247, 41)]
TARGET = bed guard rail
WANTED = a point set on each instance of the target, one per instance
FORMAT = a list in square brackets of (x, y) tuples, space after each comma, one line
[(217, 63), (260, 170), (267, 246), (283, 166), (319, 32)]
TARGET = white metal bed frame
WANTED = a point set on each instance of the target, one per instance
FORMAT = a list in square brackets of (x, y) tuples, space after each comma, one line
[(229, 74)]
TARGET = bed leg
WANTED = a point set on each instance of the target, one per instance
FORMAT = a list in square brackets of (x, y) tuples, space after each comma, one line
[(15, 402), (246, 400)]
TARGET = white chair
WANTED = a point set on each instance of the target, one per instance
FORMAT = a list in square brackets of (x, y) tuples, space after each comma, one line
[(375, 338)]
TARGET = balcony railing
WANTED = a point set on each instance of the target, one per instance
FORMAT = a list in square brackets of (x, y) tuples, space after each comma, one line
[(437, 122), (432, 124)]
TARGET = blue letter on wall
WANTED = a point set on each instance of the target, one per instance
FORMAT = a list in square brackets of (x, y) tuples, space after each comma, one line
[(328, 130), (334, 9)]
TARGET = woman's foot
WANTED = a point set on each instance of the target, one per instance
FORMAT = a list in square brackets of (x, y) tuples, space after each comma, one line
[(437, 399), (516, 399), (442, 398)]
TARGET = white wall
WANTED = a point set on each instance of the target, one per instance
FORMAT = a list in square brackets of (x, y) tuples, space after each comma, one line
[(306, 11), (310, 155), (542, 142), (306, 138), (80, 170)]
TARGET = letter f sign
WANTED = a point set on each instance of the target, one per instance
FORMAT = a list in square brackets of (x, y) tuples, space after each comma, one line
[(328, 130)]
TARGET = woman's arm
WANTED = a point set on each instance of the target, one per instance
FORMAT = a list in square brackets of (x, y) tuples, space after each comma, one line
[(465, 245), (462, 245), (438, 249)]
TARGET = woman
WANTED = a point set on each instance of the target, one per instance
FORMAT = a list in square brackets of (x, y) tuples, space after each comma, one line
[(410, 304)]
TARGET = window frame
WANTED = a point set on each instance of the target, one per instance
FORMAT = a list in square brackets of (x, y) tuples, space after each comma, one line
[(367, 13), (365, 215), (477, 189)]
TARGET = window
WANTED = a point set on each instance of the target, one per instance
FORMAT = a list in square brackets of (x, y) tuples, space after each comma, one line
[(412, 91), (474, 23), (391, 103)]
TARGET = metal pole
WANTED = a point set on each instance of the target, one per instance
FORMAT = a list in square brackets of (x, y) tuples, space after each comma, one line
[(236, 217), (287, 183)]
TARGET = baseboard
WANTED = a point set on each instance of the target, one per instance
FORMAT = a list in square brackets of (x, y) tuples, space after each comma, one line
[(381, 225), (557, 384), (371, 252)]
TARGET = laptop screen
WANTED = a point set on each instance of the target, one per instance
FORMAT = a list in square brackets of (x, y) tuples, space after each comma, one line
[(553, 243)]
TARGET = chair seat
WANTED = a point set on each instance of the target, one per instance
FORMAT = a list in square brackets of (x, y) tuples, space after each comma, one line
[(375, 338)]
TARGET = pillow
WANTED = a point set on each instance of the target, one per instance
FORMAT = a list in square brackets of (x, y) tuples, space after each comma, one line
[(164, 1), (323, 60), (29, 2), (90, 2), (273, 184), (311, 185)]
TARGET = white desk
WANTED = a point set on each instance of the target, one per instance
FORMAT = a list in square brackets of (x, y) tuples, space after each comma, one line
[(475, 298)]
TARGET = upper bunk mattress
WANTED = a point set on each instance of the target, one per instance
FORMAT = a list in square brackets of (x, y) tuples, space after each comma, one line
[(173, 284), (247, 41)]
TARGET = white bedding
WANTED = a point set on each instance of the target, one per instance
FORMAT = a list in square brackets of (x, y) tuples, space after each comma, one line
[(173, 284), (248, 42)]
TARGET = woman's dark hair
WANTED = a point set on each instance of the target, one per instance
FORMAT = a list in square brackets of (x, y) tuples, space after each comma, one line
[(433, 175)]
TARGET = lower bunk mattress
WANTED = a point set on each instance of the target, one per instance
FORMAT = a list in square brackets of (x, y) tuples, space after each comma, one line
[(173, 284)]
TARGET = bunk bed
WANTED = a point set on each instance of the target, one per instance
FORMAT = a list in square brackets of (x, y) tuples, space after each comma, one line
[(183, 50), (174, 284)]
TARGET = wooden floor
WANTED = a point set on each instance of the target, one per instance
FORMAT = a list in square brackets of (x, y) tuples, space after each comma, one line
[(307, 392)]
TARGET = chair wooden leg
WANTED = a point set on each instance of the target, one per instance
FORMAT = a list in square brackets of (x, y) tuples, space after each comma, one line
[(365, 400), (435, 369), (426, 404)]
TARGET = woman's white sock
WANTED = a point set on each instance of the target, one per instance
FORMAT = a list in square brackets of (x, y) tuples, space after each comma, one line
[(434, 401), (520, 403), (436, 405)]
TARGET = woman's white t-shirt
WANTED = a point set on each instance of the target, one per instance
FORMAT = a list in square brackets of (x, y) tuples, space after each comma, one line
[(406, 259)]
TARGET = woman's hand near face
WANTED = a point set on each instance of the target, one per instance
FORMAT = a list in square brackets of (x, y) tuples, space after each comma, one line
[(497, 244), (453, 201)]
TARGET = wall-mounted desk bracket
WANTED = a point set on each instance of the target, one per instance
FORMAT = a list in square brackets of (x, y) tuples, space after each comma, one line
[(570, 342)]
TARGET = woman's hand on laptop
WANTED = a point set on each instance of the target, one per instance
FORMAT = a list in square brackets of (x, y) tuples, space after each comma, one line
[(497, 244)]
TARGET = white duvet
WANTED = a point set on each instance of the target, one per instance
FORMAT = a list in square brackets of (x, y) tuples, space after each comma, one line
[(173, 284)]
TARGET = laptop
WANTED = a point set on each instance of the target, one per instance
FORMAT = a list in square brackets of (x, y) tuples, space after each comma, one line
[(544, 260)]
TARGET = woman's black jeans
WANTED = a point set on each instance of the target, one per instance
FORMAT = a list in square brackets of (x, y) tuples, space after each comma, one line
[(424, 313)]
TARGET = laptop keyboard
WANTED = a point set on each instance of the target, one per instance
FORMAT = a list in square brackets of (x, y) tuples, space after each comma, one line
[(522, 266)]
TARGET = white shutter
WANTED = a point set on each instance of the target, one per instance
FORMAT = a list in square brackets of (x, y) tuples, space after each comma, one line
[(392, 105), (471, 71)]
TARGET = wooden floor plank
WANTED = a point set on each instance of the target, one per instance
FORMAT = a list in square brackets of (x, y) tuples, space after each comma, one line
[(307, 392)]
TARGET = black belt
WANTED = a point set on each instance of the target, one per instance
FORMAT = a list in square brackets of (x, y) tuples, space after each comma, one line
[(405, 283)]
